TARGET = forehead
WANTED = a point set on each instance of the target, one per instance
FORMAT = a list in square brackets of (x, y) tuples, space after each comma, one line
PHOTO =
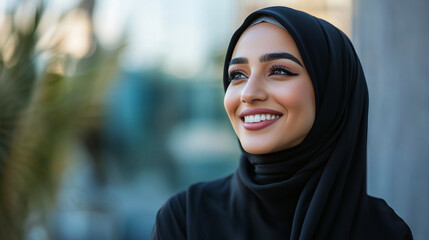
[(264, 38)]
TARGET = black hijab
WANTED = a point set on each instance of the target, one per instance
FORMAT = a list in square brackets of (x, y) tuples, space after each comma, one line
[(325, 175), (315, 190)]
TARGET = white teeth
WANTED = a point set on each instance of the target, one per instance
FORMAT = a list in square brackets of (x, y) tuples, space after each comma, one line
[(259, 118)]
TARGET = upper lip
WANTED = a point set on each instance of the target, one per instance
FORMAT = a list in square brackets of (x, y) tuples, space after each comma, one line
[(254, 111)]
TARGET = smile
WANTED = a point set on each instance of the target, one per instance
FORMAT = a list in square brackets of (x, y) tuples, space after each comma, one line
[(259, 118)]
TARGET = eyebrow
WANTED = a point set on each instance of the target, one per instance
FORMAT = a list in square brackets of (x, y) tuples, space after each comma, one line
[(266, 58), (239, 60), (282, 55)]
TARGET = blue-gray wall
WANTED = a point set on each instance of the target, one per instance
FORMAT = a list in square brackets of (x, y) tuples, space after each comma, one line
[(392, 40)]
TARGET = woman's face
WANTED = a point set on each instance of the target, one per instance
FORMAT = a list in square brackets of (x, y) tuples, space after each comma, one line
[(270, 100)]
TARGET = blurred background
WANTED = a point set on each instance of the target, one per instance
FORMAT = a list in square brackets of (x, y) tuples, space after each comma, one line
[(108, 108)]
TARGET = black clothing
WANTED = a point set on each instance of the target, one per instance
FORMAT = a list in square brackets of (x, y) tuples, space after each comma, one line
[(315, 190)]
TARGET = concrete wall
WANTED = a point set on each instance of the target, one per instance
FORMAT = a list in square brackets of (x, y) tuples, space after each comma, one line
[(392, 40)]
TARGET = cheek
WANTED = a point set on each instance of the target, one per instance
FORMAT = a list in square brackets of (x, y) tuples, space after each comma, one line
[(299, 101), (297, 94), (231, 101)]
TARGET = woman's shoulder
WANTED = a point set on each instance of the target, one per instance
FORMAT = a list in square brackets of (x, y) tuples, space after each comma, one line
[(214, 187), (171, 218), (218, 186), (389, 223)]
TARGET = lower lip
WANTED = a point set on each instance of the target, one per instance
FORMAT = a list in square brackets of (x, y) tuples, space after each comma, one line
[(259, 125)]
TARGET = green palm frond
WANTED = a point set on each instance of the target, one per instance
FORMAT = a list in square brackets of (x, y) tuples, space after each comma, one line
[(42, 115)]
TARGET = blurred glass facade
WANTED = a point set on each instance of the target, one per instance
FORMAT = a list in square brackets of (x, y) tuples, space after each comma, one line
[(163, 125)]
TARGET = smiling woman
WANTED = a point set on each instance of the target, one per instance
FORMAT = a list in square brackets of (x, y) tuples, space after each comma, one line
[(297, 99), (270, 91)]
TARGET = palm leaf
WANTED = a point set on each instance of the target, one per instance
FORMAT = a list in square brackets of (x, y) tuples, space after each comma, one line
[(42, 117)]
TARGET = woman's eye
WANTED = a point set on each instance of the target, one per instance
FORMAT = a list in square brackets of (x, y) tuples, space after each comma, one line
[(236, 75), (278, 70)]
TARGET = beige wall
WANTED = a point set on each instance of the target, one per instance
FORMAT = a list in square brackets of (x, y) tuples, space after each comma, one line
[(337, 12)]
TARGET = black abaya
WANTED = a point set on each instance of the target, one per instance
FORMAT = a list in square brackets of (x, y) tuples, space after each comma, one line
[(315, 190)]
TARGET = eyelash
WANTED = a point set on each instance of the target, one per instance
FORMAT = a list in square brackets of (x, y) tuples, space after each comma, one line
[(281, 68), (233, 75)]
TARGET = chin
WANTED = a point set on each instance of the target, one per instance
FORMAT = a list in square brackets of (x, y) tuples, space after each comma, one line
[(258, 149)]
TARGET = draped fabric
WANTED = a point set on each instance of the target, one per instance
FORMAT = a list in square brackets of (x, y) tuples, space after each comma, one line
[(315, 190)]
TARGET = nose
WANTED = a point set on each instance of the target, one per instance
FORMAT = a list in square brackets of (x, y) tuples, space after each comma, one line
[(254, 91)]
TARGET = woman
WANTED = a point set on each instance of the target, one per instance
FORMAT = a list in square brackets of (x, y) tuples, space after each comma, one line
[(297, 99)]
